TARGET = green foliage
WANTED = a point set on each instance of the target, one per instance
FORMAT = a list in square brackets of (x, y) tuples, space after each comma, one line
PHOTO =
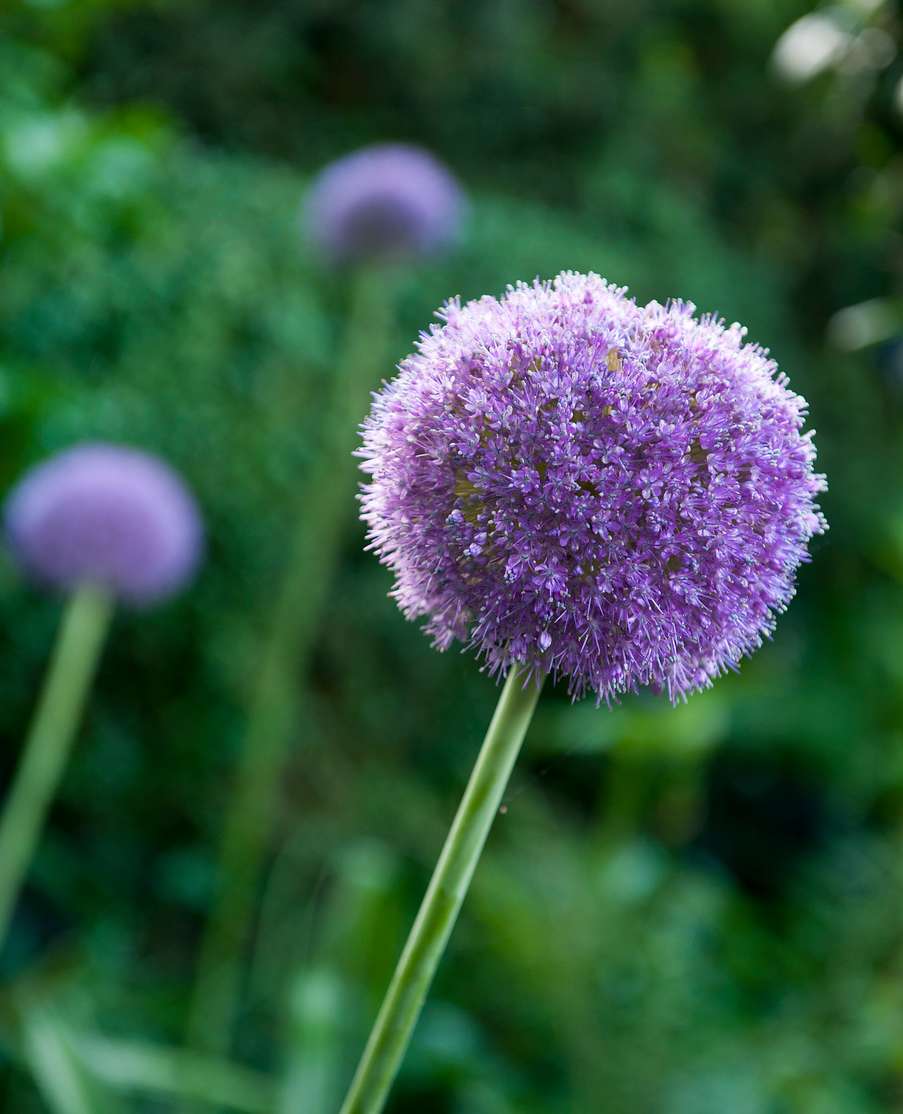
[(680, 911)]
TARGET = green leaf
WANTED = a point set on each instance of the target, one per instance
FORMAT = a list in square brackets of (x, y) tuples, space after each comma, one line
[(57, 1071), (143, 1067)]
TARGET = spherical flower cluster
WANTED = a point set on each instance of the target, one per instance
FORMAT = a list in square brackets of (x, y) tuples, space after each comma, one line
[(105, 515), (384, 202), (616, 494)]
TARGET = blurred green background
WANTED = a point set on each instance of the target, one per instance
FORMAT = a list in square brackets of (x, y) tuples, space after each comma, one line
[(681, 911)]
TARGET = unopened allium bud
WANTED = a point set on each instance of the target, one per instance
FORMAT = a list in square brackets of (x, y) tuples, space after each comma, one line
[(106, 515), (385, 202), (614, 494)]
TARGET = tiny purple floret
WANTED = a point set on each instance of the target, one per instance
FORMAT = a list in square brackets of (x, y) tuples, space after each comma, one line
[(389, 201), (614, 494), (106, 515)]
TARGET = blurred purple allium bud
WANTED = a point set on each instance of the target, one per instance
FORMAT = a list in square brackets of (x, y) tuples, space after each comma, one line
[(614, 494), (385, 202), (106, 515)]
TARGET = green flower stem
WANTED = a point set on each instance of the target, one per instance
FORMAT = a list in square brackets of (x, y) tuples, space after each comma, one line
[(53, 729), (409, 986), (321, 518), (623, 797)]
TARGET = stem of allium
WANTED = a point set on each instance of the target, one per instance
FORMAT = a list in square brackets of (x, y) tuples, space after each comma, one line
[(439, 910), (53, 727), (324, 508)]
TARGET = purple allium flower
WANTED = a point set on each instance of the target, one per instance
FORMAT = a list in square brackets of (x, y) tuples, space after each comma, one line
[(615, 494), (107, 515), (384, 202)]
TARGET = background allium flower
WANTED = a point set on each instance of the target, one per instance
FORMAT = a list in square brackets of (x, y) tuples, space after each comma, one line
[(616, 494), (108, 515), (383, 202)]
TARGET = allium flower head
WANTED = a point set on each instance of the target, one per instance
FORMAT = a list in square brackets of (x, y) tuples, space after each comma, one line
[(615, 494), (384, 202), (107, 515)]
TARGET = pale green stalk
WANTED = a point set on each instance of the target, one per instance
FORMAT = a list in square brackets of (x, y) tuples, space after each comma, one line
[(323, 509), (50, 737), (439, 910)]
